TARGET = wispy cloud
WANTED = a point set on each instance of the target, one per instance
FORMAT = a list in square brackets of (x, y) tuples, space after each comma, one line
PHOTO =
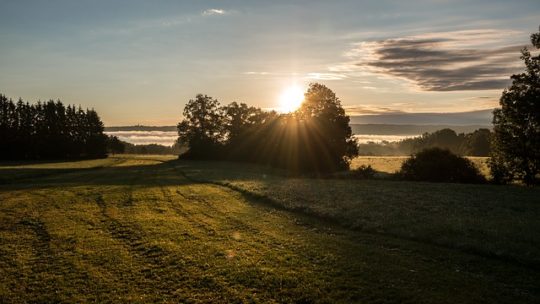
[(326, 76), (450, 61), (369, 110), (214, 11), (256, 73)]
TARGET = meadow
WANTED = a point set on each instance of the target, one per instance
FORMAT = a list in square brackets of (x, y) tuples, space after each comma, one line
[(145, 229), (391, 164)]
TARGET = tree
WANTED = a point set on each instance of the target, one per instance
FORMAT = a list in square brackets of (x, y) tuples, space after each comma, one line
[(115, 145), (325, 135), (96, 141), (49, 130), (476, 143), (314, 139), (242, 126), (516, 125), (202, 128)]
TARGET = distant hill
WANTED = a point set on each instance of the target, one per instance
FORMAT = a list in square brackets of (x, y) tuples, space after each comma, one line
[(393, 129), (374, 129), (482, 118), (386, 124)]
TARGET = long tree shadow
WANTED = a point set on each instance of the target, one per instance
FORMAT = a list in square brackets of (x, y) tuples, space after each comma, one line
[(23, 178)]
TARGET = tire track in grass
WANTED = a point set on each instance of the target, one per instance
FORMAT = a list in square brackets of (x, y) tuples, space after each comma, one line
[(131, 235), (222, 246), (257, 243), (49, 269), (161, 273)]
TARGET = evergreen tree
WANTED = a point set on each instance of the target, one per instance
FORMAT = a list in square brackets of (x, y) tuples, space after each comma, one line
[(49, 130)]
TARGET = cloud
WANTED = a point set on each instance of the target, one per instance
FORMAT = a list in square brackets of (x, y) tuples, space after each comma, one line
[(326, 76), (214, 11), (256, 73), (450, 61), (369, 110)]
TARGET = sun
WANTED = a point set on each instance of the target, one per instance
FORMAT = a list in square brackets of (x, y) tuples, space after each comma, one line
[(291, 98)]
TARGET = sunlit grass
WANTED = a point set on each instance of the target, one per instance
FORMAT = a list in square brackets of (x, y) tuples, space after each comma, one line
[(391, 164), (494, 220), (144, 233)]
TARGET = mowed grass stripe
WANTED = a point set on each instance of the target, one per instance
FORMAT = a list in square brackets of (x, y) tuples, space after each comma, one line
[(144, 233)]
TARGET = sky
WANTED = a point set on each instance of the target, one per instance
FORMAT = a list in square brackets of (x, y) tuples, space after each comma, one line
[(139, 62)]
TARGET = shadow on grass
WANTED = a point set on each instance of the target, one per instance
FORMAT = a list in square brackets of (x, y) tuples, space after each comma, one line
[(14, 178), (173, 173)]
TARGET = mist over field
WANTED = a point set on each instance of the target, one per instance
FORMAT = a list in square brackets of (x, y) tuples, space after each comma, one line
[(166, 138)]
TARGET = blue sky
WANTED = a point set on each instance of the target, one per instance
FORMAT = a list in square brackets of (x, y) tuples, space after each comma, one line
[(141, 61)]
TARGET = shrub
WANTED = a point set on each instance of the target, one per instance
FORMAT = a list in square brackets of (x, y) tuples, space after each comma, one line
[(363, 172), (439, 165)]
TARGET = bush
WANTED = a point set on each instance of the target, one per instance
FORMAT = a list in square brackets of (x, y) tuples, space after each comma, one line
[(439, 165), (363, 172)]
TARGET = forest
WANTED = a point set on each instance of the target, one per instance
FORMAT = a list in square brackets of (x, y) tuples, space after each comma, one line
[(49, 130)]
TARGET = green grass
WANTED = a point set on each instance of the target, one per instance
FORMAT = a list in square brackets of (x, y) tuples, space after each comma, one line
[(485, 219), (149, 229)]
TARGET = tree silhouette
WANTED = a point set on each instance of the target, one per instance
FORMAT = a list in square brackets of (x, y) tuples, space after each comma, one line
[(243, 125), (327, 136), (476, 143), (516, 124), (316, 138), (49, 130), (202, 128)]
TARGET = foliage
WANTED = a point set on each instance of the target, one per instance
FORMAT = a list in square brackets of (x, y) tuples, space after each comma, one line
[(202, 128), (243, 125), (476, 143), (115, 145), (314, 139), (363, 172), (328, 141), (49, 130), (516, 125), (439, 165)]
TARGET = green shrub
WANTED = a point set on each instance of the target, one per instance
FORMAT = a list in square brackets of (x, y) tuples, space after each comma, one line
[(439, 165)]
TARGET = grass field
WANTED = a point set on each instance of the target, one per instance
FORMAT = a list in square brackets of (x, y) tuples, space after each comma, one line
[(391, 164), (152, 229)]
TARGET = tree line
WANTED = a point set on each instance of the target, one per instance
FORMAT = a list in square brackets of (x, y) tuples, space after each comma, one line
[(476, 143), (316, 138), (49, 130)]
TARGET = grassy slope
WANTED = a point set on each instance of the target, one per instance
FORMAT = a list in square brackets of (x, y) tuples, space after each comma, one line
[(489, 220), (137, 230)]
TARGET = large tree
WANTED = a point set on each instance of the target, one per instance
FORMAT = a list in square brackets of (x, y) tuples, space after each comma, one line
[(516, 140), (324, 129), (202, 128)]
